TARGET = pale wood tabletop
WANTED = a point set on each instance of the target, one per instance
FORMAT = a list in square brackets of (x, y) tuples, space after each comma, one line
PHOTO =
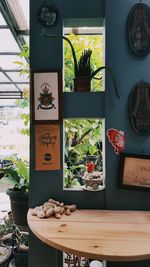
[(111, 235)]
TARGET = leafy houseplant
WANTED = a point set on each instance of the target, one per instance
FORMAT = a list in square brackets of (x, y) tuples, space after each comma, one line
[(18, 242), (83, 72), (19, 174), (83, 139), (20, 252)]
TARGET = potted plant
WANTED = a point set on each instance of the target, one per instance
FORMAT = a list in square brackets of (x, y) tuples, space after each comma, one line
[(83, 72), (19, 174), (16, 241), (20, 251)]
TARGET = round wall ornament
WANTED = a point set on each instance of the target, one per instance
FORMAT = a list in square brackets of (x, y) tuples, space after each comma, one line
[(47, 15), (138, 29)]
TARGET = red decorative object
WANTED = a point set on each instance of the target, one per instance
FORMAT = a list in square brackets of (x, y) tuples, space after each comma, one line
[(117, 139), (90, 166)]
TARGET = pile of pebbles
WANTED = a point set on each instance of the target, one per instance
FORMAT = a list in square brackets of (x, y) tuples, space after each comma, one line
[(53, 208), (92, 179)]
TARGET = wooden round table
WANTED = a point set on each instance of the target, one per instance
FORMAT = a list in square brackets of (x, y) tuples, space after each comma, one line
[(111, 235)]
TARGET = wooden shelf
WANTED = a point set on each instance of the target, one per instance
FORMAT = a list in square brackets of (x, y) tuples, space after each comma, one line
[(97, 234)]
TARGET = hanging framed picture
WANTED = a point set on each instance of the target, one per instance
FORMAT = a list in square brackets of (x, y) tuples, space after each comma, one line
[(47, 147), (134, 171), (46, 90)]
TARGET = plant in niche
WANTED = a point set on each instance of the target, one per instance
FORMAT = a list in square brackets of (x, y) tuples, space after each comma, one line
[(83, 144), (83, 71)]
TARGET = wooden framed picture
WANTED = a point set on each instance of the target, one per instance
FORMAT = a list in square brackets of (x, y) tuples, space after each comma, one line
[(46, 92), (134, 171), (47, 147)]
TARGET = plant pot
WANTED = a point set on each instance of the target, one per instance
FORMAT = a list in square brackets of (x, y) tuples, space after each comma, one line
[(20, 257), (90, 158), (82, 84), (5, 255), (7, 239), (12, 263), (19, 206)]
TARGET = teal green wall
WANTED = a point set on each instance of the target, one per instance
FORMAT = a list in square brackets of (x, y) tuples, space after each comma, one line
[(129, 70), (47, 54)]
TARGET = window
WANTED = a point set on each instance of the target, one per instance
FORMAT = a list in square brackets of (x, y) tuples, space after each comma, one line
[(83, 39), (83, 146)]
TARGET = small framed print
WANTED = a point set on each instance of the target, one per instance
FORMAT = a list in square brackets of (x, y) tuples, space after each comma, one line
[(46, 90), (47, 147), (134, 171)]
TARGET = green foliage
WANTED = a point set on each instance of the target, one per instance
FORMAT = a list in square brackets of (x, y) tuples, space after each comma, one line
[(23, 67), (84, 65), (21, 239), (81, 44), (18, 173), (5, 229), (83, 138), (24, 103)]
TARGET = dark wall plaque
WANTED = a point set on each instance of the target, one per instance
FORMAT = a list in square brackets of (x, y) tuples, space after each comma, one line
[(47, 15), (140, 108), (138, 28)]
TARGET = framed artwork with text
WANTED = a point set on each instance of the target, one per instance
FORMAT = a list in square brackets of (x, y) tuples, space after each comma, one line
[(47, 147)]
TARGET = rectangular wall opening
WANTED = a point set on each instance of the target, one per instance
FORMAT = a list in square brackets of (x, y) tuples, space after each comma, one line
[(83, 154), (83, 39)]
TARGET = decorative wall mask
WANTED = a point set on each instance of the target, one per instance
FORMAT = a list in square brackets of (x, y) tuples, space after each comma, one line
[(139, 29), (139, 108), (117, 139), (47, 14)]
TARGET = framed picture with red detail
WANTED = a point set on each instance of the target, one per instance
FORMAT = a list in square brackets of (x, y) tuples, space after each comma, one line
[(134, 171), (46, 94)]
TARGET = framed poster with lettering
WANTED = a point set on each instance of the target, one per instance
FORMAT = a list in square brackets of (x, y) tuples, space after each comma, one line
[(134, 171), (46, 92), (47, 147)]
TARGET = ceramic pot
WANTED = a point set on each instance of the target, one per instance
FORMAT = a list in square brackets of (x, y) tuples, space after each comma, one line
[(20, 257), (82, 84), (19, 206)]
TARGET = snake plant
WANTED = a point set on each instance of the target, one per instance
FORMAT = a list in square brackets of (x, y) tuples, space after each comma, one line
[(82, 67)]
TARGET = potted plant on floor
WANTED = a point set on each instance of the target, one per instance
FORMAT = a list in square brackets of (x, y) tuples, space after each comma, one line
[(17, 241), (83, 72), (20, 251), (19, 174)]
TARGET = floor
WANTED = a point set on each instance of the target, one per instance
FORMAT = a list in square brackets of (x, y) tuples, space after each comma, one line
[(4, 205)]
